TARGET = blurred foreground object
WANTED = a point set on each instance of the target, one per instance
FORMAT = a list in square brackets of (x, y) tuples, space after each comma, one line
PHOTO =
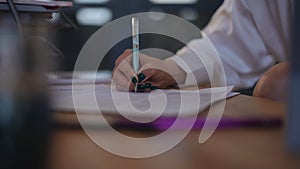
[(293, 123), (25, 121)]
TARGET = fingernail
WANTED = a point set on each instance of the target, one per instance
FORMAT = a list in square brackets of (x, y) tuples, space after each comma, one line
[(141, 77), (134, 80), (141, 87), (148, 85), (154, 87)]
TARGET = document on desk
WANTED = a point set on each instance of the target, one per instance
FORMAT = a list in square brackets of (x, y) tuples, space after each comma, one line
[(101, 98), (81, 77)]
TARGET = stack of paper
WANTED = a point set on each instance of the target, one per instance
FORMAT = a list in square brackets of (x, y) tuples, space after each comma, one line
[(101, 98)]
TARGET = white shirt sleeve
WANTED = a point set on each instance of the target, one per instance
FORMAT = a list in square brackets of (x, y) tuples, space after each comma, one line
[(238, 34)]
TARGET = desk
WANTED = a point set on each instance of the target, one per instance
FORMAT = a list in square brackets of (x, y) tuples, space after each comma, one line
[(247, 148)]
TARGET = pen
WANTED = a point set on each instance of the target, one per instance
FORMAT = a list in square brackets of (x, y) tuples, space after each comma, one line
[(135, 45)]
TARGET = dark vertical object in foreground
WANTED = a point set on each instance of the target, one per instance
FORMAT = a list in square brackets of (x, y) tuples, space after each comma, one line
[(293, 123), (25, 121)]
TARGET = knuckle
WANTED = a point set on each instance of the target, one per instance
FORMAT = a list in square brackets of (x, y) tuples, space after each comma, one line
[(128, 51)]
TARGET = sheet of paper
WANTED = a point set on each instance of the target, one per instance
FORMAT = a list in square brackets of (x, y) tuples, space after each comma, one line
[(103, 98), (82, 77)]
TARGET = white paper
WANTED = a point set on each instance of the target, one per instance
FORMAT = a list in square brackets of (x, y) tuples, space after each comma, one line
[(93, 99), (81, 77)]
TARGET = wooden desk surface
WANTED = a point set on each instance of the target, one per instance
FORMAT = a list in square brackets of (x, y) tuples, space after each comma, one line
[(261, 148)]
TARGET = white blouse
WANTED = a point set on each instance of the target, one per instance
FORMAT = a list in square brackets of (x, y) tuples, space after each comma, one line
[(249, 36)]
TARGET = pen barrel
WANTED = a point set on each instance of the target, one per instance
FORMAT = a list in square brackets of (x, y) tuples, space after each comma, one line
[(135, 44)]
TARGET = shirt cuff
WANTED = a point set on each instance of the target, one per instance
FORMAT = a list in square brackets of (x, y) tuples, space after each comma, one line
[(199, 60)]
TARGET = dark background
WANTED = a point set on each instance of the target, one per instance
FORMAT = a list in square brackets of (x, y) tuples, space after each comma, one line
[(70, 41)]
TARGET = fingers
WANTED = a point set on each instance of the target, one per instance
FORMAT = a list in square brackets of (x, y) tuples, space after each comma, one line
[(122, 82), (126, 68), (127, 54), (148, 74), (123, 64), (156, 79), (152, 75), (157, 74)]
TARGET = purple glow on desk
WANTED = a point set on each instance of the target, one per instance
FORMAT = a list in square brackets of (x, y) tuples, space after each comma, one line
[(166, 122)]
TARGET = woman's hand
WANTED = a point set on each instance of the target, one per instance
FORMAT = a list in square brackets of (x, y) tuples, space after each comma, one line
[(274, 83), (153, 74)]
